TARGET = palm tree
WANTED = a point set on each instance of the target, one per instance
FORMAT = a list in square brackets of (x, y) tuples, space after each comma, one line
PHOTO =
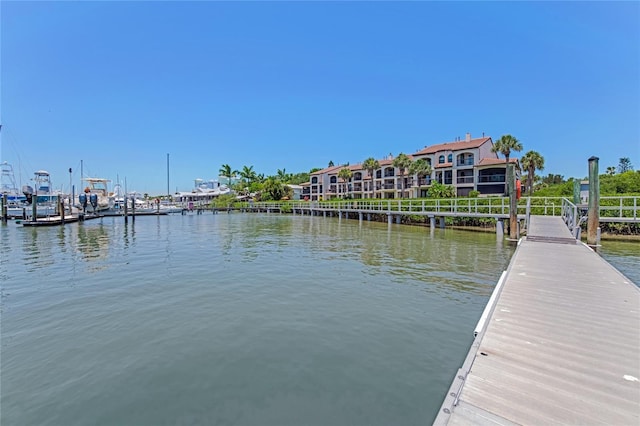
[(402, 162), (505, 145), (624, 165), (283, 175), (345, 174), (248, 174), (227, 172), (611, 170), (532, 161), (420, 168), (371, 165)]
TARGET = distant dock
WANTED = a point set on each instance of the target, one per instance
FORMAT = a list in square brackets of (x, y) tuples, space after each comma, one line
[(561, 341)]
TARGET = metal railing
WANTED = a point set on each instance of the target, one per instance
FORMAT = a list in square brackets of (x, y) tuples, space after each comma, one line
[(612, 209)]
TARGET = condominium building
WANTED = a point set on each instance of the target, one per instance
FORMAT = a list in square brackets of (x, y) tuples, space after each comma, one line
[(465, 164)]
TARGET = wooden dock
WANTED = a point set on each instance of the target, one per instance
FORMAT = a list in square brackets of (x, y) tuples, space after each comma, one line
[(561, 343)]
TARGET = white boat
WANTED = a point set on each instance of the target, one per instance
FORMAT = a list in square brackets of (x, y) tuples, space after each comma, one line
[(202, 194), (42, 198), (16, 201), (95, 197)]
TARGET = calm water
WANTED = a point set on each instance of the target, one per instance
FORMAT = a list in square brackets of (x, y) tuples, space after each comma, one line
[(238, 320)]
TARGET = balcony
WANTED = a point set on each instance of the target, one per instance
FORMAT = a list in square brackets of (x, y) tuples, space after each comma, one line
[(465, 179), (424, 181), (465, 162), (491, 178), (357, 187)]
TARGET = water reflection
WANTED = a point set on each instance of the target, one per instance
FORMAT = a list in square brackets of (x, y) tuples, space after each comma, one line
[(93, 241), (625, 255)]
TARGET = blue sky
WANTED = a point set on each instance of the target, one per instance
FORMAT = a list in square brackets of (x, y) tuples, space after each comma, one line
[(294, 85)]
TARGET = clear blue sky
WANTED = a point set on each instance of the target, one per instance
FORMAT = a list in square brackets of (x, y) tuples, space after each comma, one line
[(294, 85)]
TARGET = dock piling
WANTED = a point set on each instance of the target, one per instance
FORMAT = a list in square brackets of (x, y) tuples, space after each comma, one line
[(593, 220)]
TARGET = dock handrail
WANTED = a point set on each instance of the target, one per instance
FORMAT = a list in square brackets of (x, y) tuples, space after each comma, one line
[(570, 217), (612, 208)]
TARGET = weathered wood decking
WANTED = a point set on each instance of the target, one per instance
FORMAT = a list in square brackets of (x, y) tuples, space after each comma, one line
[(561, 345)]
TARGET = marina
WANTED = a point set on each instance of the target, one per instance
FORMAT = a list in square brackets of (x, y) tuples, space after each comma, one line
[(370, 307), (237, 317)]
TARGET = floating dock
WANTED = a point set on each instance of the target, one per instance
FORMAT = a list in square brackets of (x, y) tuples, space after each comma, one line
[(561, 343)]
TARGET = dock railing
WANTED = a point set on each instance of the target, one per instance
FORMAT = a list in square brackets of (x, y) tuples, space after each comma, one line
[(570, 217), (612, 209)]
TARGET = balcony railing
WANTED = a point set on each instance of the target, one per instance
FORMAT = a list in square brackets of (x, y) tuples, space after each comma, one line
[(465, 179), (465, 162), (491, 178)]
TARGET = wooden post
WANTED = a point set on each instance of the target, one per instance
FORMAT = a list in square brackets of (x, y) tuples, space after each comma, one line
[(61, 209), (5, 215), (126, 209), (593, 221), (133, 209), (34, 207), (513, 203), (576, 192)]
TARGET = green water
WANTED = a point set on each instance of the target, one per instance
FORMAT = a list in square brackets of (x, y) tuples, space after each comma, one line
[(237, 319)]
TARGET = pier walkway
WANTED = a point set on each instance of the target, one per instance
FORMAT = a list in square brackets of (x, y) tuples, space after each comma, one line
[(560, 344)]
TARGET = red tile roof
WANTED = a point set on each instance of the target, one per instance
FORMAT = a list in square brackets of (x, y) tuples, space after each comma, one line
[(438, 166), (453, 146), (328, 170), (493, 161)]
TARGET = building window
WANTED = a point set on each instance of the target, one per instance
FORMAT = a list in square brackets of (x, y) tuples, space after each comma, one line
[(314, 180), (450, 158), (333, 179), (441, 159)]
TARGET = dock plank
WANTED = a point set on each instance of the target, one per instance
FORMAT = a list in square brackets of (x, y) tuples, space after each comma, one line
[(562, 345)]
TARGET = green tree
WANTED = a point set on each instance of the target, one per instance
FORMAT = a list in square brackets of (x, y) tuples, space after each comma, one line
[(439, 190), (247, 174), (611, 170), (283, 175), (345, 174), (273, 189), (371, 165), (402, 162), (552, 179), (532, 161), (298, 178), (227, 172), (330, 163), (505, 145), (625, 165), (420, 168)]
